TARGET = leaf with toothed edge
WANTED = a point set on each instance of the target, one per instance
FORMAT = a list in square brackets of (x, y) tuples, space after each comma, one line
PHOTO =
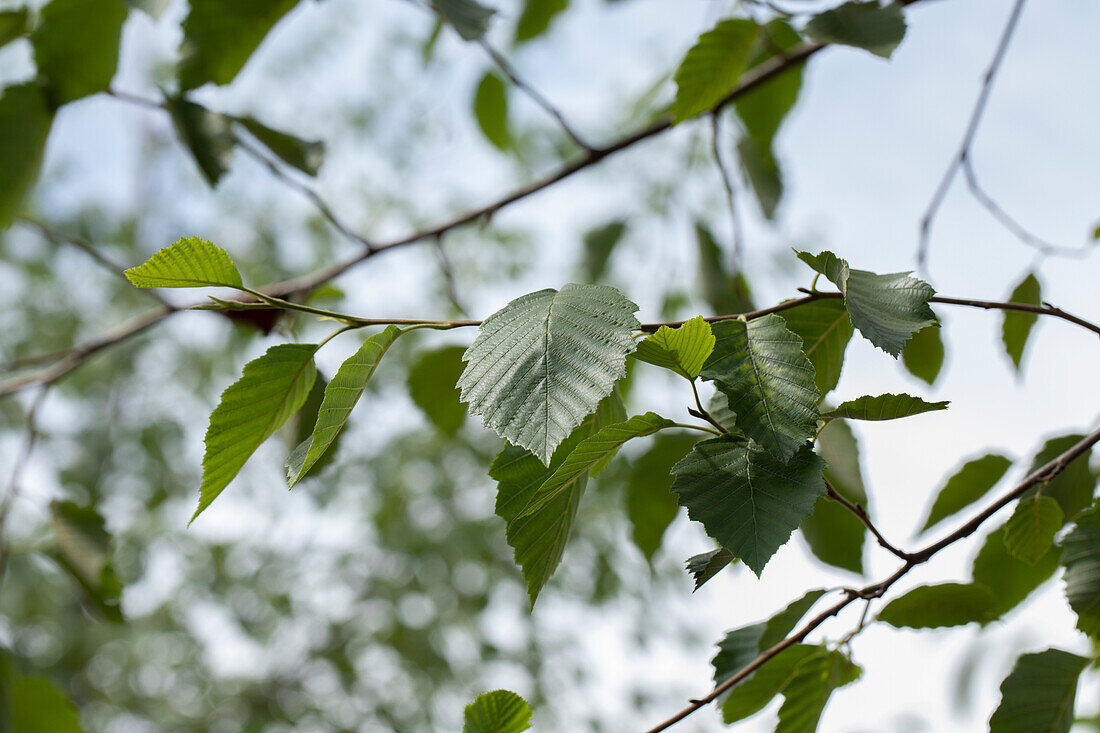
[(705, 566), (882, 407), (189, 263), (499, 711), (825, 330), (682, 350)]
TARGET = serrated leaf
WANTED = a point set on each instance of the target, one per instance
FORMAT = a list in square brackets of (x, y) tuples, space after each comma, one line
[(1082, 562), (762, 173), (598, 246), (650, 506), (754, 693), (746, 499), (25, 120), (536, 17), (341, 395), (706, 565), (760, 366), (936, 606), (76, 46), (270, 390), (726, 292), (1016, 326), (190, 262), (1030, 531), (809, 690), (432, 387), (491, 111), (219, 38), (1074, 486), (834, 534), (1038, 695), (207, 135), (825, 330), (84, 550), (544, 361), (970, 483), (468, 17), (13, 24), (887, 309), (868, 25), (712, 67), (305, 155), (882, 407), (499, 711), (682, 350), (923, 353), (1010, 580)]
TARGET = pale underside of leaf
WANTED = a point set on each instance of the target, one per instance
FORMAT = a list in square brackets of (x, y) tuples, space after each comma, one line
[(499, 711)]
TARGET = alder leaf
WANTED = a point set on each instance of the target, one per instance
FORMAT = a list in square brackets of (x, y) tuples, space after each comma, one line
[(712, 67), (825, 330), (746, 499), (705, 566), (431, 384), (25, 120), (760, 367), (882, 407), (1010, 580), (536, 17), (762, 174), (970, 483), (13, 24), (499, 711), (207, 135), (764, 107), (867, 25), (341, 395), (682, 350), (219, 38), (1038, 695), (1074, 486), (650, 506), (936, 606), (542, 363), (270, 390), (189, 263), (834, 534), (1029, 533), (754, 693), (76, 46), (1016, 326), (491, 111), (727, 292), (599, 243), (468, 17), (808, 692), (305, 155), (1082, 563), (922, 354)]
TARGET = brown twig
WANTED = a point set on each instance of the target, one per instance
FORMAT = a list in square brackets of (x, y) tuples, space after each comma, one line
[(862, 515)]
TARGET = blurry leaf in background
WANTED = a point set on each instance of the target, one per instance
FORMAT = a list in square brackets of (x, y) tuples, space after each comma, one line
[(726, 292), (923, 354), (1039, 693), (499, 711), (431, 384), (971, 482), (705, 566), (84, 550), (808, 692), (599, 243), (712, 67), (1016, 326), (305, 155), (882, 407), (682, 349), (1029, 533), (190, 262), (33, 704), (491, 111), (299, 428), (208, 135), (218, 38), (868, 25), (25, 120), (468, 17), (650, 505), (1011, 580), (536, 17), (1082, 562), (13, 24), (76, 46), (742, 646), (834, 534), (1074, 486), (763, 108), (936, 606), (825, 330), (760, 688), (762, 174)]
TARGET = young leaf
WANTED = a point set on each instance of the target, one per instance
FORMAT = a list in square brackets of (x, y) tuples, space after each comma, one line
[(270, 390), (825, 330), (834, 534), (650, 506), (936, 606), (1030, 531), (1074, 486), (1010, 580), (76, 46), (13, 24), (1016, 326), (219, 38), (491, 111), (752, 695), (468, 17), (712, 67), (536, 16), (966, 486), (682, 350), (762, 174), (705, 566), (868, 25), (1039, 693), (544, 361), (25, 120), (1082, 562), (499, 711), (305, 155), (923, 354), (598, 245), (808, 692), (745, 498), (431, 385), (189, 263), (760, 366), (207, 135), (882, 407), (341, 395)]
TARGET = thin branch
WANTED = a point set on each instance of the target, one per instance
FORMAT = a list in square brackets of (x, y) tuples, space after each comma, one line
[(876, 590), (702, 411), (862, 515), (731, 191)]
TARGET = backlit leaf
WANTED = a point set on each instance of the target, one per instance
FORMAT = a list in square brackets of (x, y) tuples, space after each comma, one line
[(1038, 695), (1016, 326), (1073, 488), (825, 330), (935, 606), (219, 38), (84, 550), (712, 67), (25, 120), (726, 292), (76, 46), (742, 646), (682, 350), (1030, 531), (762, 174), (882, 407), (189, 263), (966, 486), (755, 692), (868, 25), (499, 711)]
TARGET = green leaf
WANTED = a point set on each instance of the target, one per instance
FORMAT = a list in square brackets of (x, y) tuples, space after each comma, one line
[(762, 174), (882, 407), (25, 120), (84, 551), (966, 486), (218, 38), (868, 25), (1038, 695), (825, 330), (742, 646), (763, 108), (1010, 580), (887, 309), (705, 566), (712, 67), (34, 704), (923, 354), (189, 263), (544, 361), (468, 17), (341, 395), (76, 46), (270, 390), (499, 711), (1074, 486), (754, 693), (431, 385), (726, 292), (1030, 531), (536, 17), (13, 24), (745, 498), (682, 350), (1082, 562), (305, 155), (1016, 326), (491, 111), (207, 135), (834, 534), (936, 606), (760, 366), (808, 692), (650, 506), (783, 623), (598, 245), (719, 409)]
